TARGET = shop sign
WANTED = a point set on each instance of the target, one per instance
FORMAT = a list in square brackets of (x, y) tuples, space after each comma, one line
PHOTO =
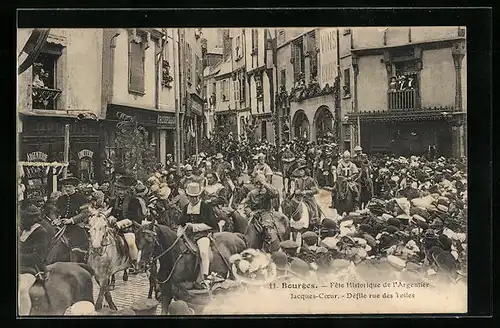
[(85, 153), (128, 113), (166, 120), (37, 156)]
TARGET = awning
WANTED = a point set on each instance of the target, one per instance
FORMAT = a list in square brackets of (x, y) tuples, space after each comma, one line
[(32, 48)]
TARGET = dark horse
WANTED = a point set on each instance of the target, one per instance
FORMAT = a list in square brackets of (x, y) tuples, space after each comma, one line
[(365, 186), (255, 235), (343, 197), (179, 263)]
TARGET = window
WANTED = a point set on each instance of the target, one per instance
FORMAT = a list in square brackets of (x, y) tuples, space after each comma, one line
[(239, 51), (136, 58), (199, 73), (263, 130), (298, 59), (255, 41), (242, 125), (283, 78), (224, 94), (311, 48), (241, 80), (347, 82), (44, 83), (281, 36), (236, 89)]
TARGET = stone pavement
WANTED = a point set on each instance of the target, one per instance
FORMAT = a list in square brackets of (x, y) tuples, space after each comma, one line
[(137, 286), (128, 292)]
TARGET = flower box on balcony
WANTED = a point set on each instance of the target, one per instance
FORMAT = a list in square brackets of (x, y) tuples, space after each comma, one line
[(44, 98)]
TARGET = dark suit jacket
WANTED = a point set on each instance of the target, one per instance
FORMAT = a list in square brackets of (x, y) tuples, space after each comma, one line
[(131, 209), (206, 216)]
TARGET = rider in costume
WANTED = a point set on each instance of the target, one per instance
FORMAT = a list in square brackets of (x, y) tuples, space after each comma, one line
[(199, 221), (127, 206), (349, 170), (71, 207), (258, 204), (34, 245)]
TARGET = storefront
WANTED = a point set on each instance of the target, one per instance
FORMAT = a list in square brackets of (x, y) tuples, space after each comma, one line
[(193, 124), (148, 119), (166, 129), (405, 135), (42, 140)]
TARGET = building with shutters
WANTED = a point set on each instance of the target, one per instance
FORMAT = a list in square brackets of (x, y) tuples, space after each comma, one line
[(62, 86), (404, 89), (306, 75), (140, 81)]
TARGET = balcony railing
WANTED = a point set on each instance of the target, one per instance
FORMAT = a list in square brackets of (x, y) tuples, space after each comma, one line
[(402, 99), (44, 98)]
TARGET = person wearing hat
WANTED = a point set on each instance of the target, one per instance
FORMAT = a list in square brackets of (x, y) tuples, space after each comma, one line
[(349, 171), (305, 187), (71, 208), (125, 205), (357, 158), (189, 177), (216, 194), (287, 159), (34, 244), (263, 168), (198, 220), (222, 167), (258, 204)]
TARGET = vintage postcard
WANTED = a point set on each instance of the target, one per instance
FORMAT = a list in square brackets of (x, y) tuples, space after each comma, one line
[(220, 171)]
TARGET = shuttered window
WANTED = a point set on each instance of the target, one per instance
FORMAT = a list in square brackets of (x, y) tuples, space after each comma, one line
[(298, 59), (189, 63), (311, 47), (136, 67), (242, 88), (283, 78), (255, 39)]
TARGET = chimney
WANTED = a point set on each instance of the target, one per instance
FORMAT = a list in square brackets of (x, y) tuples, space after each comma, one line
[(227, 46)]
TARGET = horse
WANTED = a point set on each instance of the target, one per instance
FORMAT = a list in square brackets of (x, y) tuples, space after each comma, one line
[(343, 198), (254, 234), (108, 254), (299, 213), (365, 186), (59, 248), (65, 284), (179, 262)]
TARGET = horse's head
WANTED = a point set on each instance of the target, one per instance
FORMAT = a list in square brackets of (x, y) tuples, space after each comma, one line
[(146, 241), (98, 229)]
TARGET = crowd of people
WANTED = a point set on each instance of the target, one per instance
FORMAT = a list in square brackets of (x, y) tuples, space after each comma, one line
[(415, 211)]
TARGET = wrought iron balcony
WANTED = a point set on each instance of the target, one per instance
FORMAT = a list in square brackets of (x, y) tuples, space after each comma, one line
[(44, 98), (402, 99)]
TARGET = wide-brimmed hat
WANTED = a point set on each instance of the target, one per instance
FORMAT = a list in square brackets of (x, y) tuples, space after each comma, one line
[(219, 156), (358, 148), (69, 181), (125, 182), (193, 189), (188, 167), (261, 155)]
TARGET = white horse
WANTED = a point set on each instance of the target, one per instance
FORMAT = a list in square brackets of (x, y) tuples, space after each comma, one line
[(108, 254)]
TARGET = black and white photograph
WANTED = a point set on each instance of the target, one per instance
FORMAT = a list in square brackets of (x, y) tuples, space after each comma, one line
[(239, 171)]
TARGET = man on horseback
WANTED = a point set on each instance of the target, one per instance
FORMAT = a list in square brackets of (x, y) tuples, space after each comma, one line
[(34, 244), (199, 221), (347, 170), (263, 168), (127, 206), (222, 169), (258, 205), (287, 159), (71, 208), (305, 188), (217, 195), (189, 177)]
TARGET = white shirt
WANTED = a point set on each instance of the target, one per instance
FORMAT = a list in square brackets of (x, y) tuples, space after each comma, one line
[(194, 209)]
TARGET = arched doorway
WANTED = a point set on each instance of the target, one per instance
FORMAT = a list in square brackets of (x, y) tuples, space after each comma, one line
[(323, 122), (301, 125)]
